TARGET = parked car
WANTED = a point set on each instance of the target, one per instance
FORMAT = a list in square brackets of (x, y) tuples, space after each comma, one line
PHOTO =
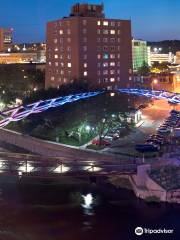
[(100, 142)]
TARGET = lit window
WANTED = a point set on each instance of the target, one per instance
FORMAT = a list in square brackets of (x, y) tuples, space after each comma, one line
[(112, 32), (98, 23), (99, 56), (55, 40), (112, 79), (118, 78), (68, 31), (112, 56), (105, 64), (105, 23), (56, 64), (60, 32), (118, 71), (62, 72), (105, 31), (118, 56), (69, 65), (69, 40), (112, 64), (62, 64), (84, 22), (52, 78), (55, 56), (105, 56), (56, 49), (112, 72), (85, 73), (49, 63), (85, 65), (105, 72)]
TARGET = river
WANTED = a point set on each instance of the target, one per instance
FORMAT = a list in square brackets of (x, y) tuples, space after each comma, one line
[(48, 211)]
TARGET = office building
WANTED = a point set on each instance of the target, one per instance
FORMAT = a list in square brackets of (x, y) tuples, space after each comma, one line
[(139, 53), (89, 47)]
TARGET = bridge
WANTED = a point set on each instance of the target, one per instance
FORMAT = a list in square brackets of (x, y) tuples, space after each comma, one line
[(21, 112), (169, 96), (15, 164)]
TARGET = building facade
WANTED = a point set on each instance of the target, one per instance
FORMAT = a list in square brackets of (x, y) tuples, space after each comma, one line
[(177, 57), (5, 39), (161, 57), (139, 53), (90, 47)]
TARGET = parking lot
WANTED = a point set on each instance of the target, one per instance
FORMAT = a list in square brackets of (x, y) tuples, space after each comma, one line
[(152, 118)]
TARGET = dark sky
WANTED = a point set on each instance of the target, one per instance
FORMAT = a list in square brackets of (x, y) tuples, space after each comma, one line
[(151, 19)]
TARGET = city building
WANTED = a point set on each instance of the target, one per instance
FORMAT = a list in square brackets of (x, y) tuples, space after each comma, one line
[(139, 53), (168, 81), (22, 79), (161, 57), (90, 47), (5, 39), (177, 57)]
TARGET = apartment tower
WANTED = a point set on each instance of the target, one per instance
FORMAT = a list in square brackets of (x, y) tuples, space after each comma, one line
[(89, 47)]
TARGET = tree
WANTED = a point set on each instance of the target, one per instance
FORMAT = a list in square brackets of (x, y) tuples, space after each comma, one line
[(144, 69)]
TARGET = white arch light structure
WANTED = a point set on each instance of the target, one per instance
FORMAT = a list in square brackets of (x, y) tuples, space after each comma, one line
[(21, 112), (169, 96)]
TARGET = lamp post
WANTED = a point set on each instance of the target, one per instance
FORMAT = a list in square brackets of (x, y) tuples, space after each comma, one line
[(154, 81)]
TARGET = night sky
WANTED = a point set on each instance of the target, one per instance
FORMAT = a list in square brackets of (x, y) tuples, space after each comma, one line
[(151, 19)]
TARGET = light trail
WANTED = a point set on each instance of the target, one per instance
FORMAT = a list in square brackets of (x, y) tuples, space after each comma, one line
[(21, 112), (170, 97)]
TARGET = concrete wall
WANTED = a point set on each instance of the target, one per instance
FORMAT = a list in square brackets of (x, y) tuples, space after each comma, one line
[(46, 148)]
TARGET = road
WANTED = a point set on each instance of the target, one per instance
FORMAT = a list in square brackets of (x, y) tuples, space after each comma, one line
[(152, 117)]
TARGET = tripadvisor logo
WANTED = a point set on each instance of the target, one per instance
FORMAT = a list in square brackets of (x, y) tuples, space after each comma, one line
[(139, 231)]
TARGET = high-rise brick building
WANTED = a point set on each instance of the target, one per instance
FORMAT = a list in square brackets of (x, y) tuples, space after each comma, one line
[(88, 46)]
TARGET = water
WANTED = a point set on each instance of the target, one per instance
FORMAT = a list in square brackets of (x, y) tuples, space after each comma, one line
[(58, 212)]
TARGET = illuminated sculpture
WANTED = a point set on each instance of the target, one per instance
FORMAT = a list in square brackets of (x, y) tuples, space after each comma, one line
[(21, 112)]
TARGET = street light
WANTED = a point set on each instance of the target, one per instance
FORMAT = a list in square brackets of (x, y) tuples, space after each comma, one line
[(155, 81)]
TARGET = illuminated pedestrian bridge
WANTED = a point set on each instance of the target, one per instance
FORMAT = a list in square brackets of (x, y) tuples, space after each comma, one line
[(169, 96), (21, 112)]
